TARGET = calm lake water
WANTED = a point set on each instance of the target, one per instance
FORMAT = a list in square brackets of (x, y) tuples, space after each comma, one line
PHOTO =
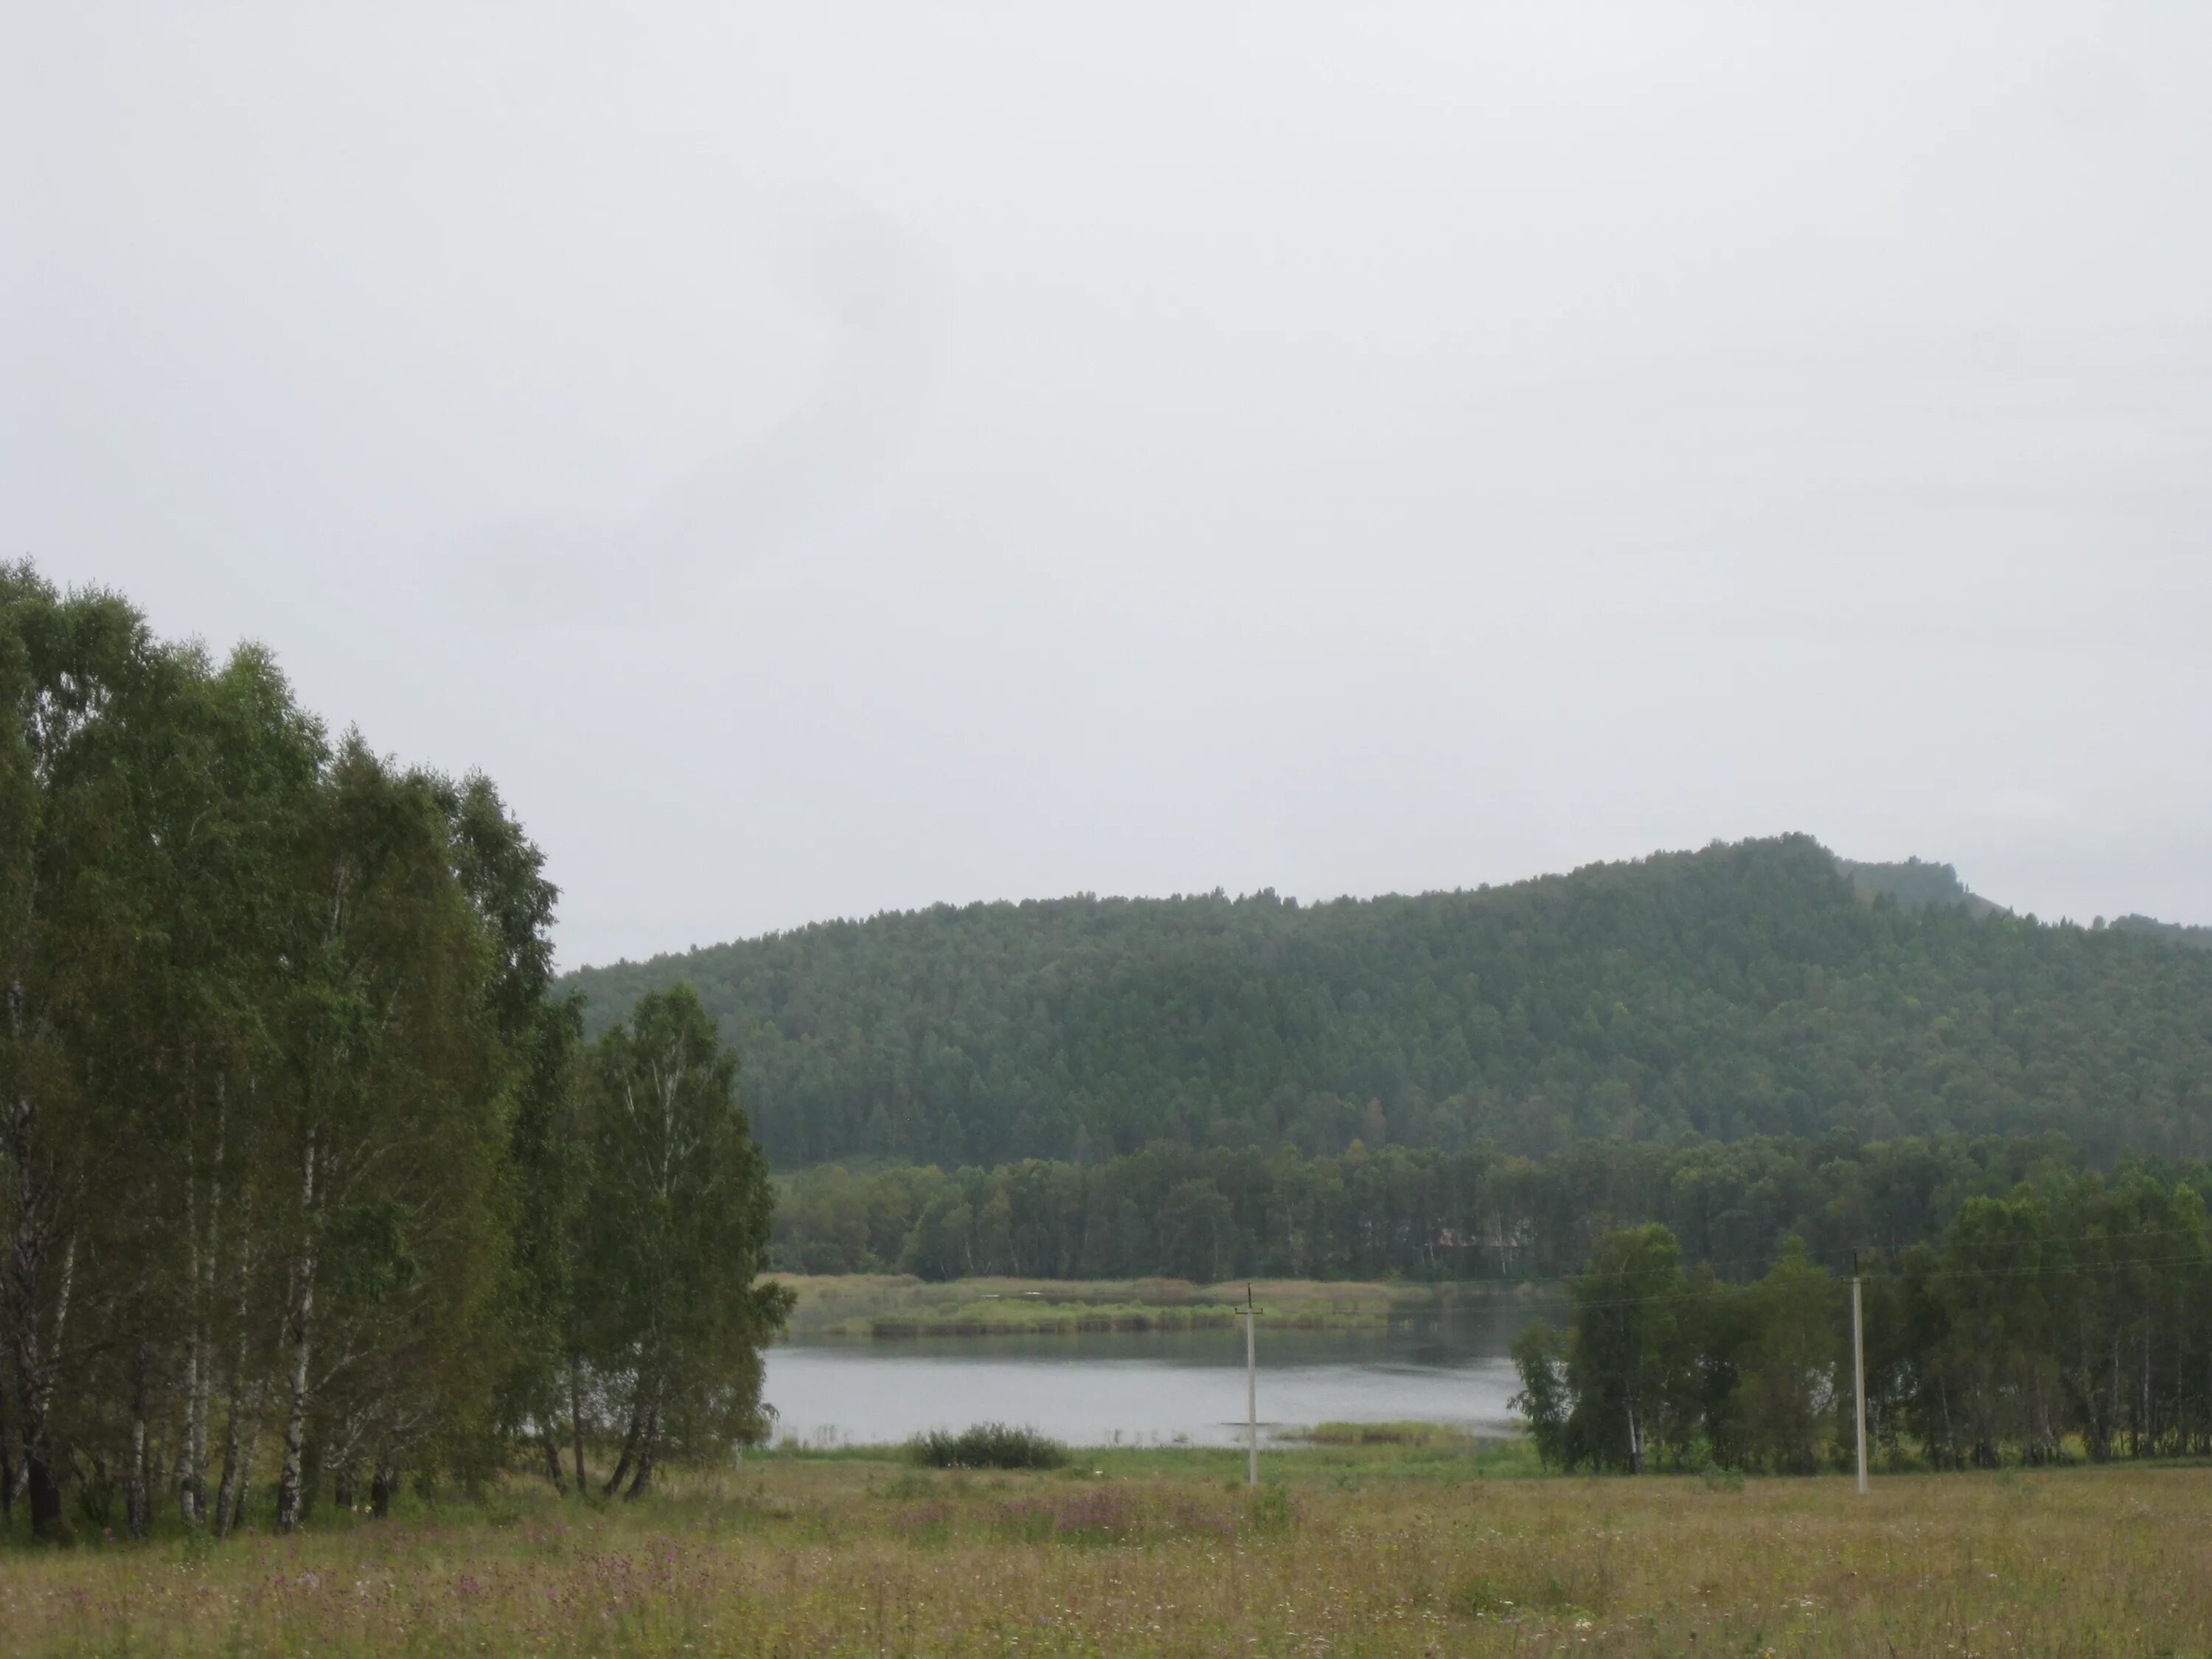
[(1148, 1388)]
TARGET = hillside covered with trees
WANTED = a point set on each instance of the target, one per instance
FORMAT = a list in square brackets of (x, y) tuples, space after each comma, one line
[(2173, 933), (1742, 990)]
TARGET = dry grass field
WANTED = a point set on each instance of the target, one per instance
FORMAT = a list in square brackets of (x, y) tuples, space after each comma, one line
[(1387, 1550)]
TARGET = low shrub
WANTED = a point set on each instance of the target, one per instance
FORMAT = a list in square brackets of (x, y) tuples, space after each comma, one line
[(1717, 1479), (1272, 1510), (1478, 1598), (987, 1446)]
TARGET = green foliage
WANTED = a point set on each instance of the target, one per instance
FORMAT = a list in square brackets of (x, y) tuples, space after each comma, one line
[(1388, 1434), (1627, 1347), (1271, 1511), (2173, 933), (1545, 1402), (987, 1446), (1912, 885), (294, 1160), (677, 1206), (2070, 1317), (1224, 1212), (1742, 991)]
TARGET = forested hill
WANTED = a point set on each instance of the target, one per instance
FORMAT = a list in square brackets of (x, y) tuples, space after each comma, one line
[(1913, 884), (1745, 989), (2173, 933)]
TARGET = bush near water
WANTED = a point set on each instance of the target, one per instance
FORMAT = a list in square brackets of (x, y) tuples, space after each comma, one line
[(987, 1446)]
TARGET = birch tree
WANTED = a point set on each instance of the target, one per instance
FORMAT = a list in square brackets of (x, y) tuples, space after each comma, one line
[(679, 1214), (295, 1139), (394, 1104), (503, 874), (83, 684)]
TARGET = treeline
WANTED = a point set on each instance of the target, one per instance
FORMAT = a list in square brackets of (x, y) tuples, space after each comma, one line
[(1225, 1213), (2071, 1317), (308, 1178), (1741, 991)]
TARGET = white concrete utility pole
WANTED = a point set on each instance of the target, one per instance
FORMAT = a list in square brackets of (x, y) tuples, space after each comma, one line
[(1858, 1366), (1250, 1315)]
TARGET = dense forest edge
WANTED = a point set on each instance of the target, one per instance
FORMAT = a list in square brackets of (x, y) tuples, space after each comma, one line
[(309, 1182), (1207, 1215)]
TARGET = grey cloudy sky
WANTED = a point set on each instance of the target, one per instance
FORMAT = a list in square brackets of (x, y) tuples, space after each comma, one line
[(824, 458)]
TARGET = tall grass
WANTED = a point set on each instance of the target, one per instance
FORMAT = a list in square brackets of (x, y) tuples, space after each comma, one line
[(1171, 1556)]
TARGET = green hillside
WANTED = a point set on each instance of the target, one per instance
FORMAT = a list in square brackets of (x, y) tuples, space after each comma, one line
[(2174, 932), (1913, 884), (1745, 989)]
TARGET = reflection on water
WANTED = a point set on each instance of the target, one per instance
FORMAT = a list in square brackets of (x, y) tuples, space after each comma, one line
[(1149, 1388)]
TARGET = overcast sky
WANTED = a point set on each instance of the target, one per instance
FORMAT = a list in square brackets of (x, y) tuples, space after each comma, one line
[(822, 458)]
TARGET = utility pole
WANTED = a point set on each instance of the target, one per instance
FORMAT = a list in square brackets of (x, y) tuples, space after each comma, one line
[(1251, 1317), (1858, 1366)]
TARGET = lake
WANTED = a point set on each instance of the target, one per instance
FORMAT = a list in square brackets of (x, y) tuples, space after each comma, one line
[(1148, 1388)]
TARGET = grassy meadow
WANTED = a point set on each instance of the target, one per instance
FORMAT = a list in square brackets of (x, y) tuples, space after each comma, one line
[(1362, 1543), (898, 1305)]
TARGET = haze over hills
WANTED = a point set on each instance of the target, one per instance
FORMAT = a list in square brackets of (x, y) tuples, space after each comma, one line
[(1913, 884), (2174, 932), (1759, 987)]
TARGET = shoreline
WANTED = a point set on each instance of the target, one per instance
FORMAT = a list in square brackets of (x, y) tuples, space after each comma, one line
[(866, 1307)]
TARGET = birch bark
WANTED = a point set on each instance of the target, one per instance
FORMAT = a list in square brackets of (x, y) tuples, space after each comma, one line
[(577, 1418), (139, 1500), (628, 1452), (551, 1443), (25, 1284), (192, 1482), (241, 1404), (254, 1400), (205, 1235), (643, 1483), (36, 1360), (298, 1315)]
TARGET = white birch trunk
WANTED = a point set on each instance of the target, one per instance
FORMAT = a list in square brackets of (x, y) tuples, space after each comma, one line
[(140, 1494), (298, 1317), (577, 1418), (191, 1480), (47, 1361), (229, 1496), (199, 1365), (253, 1404), (27, 1262)]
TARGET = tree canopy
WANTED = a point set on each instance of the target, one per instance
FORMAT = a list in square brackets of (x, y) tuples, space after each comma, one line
[(1744, 990), (300, 1149), (1209, 1213), (2068, 1312)]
